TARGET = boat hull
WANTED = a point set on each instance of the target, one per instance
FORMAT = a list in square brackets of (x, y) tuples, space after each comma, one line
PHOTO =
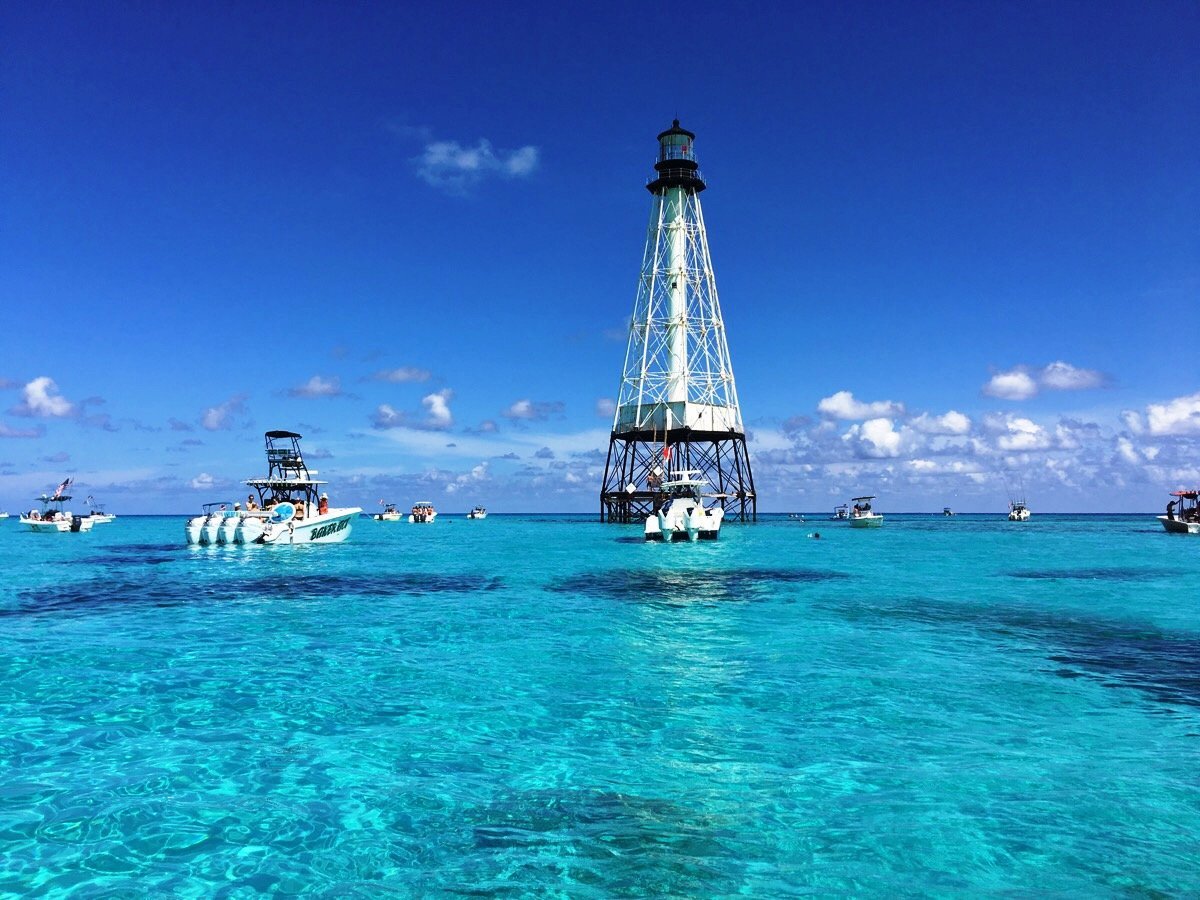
[(872, 521), (331, 528), (1178, 526), (58, 526), (697, 525)]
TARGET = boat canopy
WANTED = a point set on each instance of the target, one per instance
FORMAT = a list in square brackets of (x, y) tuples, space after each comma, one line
[(281, 482), (283, 434), (1186, 495), (871, 497)]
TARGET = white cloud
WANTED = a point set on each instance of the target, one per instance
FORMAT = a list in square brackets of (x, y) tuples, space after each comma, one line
[(1061, 376), (953, 422), (477, 475), (875, 439), (1022, 434), (437, 405), (202, 482), (1019, 384), (402, 374), (454, 167), (220, 418), (1175, 417), (1014, 385), (530, 410), (42, 400), (842, 405), (1133, 421), (8, 432), (317, 387), (387, 416), (606, 407)]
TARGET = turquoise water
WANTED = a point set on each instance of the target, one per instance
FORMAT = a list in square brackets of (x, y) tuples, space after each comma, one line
[(549, 706)]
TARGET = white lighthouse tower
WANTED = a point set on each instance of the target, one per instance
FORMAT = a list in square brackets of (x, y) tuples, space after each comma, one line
[(677, 408)]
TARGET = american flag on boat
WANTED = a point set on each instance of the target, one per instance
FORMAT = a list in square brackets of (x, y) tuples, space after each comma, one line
[(62, 487)]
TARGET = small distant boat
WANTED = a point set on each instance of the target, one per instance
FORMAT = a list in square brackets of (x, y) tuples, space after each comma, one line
[(797, 516), (681, 515), (52, 517), (861, 514), (97, 514), (947, 511), (389, 514), (1018, 511), (477, 513), (422, 513), (840, 513), (1185, 519), (3, 515)]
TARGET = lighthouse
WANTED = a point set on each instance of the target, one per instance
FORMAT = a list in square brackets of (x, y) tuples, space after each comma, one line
[(677, 406)]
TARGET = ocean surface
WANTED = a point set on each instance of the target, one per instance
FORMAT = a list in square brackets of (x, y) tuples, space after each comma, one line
[(541, 705)]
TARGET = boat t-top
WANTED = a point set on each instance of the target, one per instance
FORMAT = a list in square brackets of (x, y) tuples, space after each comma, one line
[(1018, 511), (288, 506), (861, 514), (97, 514), (1186, 518), (947, 511), (422, 513), (53, 517), (389, 514), (840, 513), (679, 511)]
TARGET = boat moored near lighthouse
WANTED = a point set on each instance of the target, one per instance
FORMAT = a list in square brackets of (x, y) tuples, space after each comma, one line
[(680, 514)]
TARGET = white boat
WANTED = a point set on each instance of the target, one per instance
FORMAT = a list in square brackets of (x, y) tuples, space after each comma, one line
[(389, 514), (53, 517), (1185, 519), (422, 513), (3, 515), (97, 514), (477, 513), (861, 514), (289, 510), (840, 513), (1018, 511), (680, 514), (947, 511)]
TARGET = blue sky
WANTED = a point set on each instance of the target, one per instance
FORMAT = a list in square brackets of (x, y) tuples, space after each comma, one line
[(957, 245)]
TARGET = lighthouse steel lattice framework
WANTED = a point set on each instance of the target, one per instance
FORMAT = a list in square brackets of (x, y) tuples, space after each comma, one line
[(677, 408)]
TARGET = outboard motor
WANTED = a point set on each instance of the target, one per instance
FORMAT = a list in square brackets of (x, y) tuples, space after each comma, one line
[(76, 523)]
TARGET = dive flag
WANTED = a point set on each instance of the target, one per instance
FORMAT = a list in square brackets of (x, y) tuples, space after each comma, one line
[(666, 452)]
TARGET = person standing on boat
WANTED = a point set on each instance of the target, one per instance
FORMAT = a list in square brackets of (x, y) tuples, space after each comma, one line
[(323, 506), (1171, 510)]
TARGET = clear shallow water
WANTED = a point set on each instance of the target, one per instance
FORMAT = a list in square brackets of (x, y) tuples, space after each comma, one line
[(546, 705)]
